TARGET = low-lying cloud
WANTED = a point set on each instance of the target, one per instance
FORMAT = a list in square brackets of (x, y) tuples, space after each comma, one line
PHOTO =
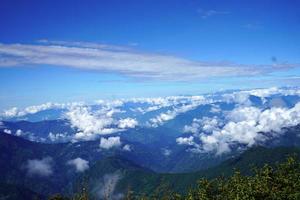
[(105, 189), (42, 167), (110, 142), (88, 123), (244, 125), (80, 164)]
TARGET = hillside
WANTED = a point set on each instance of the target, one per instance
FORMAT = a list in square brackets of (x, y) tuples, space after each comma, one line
[(142, 181), (125, 174)]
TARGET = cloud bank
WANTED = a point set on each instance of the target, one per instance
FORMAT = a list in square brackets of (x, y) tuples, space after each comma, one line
[(244, 125), (220, 129)]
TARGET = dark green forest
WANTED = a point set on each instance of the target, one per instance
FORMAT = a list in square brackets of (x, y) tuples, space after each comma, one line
[(279, 182)]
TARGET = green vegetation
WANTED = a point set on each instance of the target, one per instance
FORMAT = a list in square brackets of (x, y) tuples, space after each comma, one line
[(279, 182)]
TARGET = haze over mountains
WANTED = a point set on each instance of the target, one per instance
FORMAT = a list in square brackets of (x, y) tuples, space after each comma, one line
[(50, 148), (204, 123)]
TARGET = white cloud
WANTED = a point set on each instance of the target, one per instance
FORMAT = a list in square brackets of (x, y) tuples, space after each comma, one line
[(7, 131), (244, 114), (193, 128), (215, 108), (19, 132), (242, 97), (127, 123), (264, 92), (185, 140), (239, 97), (106, 188), (209, 13), (127, 147), (93, 121), (80, 164), (90, 124), (166, 152), (59, 136), (15, 112), (10, 112), (101, 121), (125, 61), (248, 126), (156, 103), (38, 167), (205, 124), (110, 142), (189, 103)]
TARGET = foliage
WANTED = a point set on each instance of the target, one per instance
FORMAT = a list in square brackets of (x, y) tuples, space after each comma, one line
[(281, 182), (83, 195)]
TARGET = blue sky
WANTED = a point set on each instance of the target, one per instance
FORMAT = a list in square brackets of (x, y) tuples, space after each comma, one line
[(56, 50)]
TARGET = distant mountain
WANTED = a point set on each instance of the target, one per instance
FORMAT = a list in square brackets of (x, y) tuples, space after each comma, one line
[(141, 181), (41, 131), (153, 148), (145, 143), (112, 167), (15, 153)]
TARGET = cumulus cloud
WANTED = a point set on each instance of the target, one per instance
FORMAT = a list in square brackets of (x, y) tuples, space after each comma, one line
[(185, 140), (41, 167), (59, 136), (7, 131), (16, 112), (245, 126), (110, 142), (215, 108), (205, 124), (99, 119), (91, 121), (80, 164), (188, 103), (126, 61), (242, 97), (19, 132), (239, 97), (155, 103), (127, 123), (90, 124)]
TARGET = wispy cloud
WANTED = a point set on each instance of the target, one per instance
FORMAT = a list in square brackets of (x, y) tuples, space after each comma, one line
[(253, 26), (209, 13), (124, 60), (106, 188)]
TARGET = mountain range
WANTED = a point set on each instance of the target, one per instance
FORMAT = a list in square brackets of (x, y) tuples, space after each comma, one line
[(145, 143)]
